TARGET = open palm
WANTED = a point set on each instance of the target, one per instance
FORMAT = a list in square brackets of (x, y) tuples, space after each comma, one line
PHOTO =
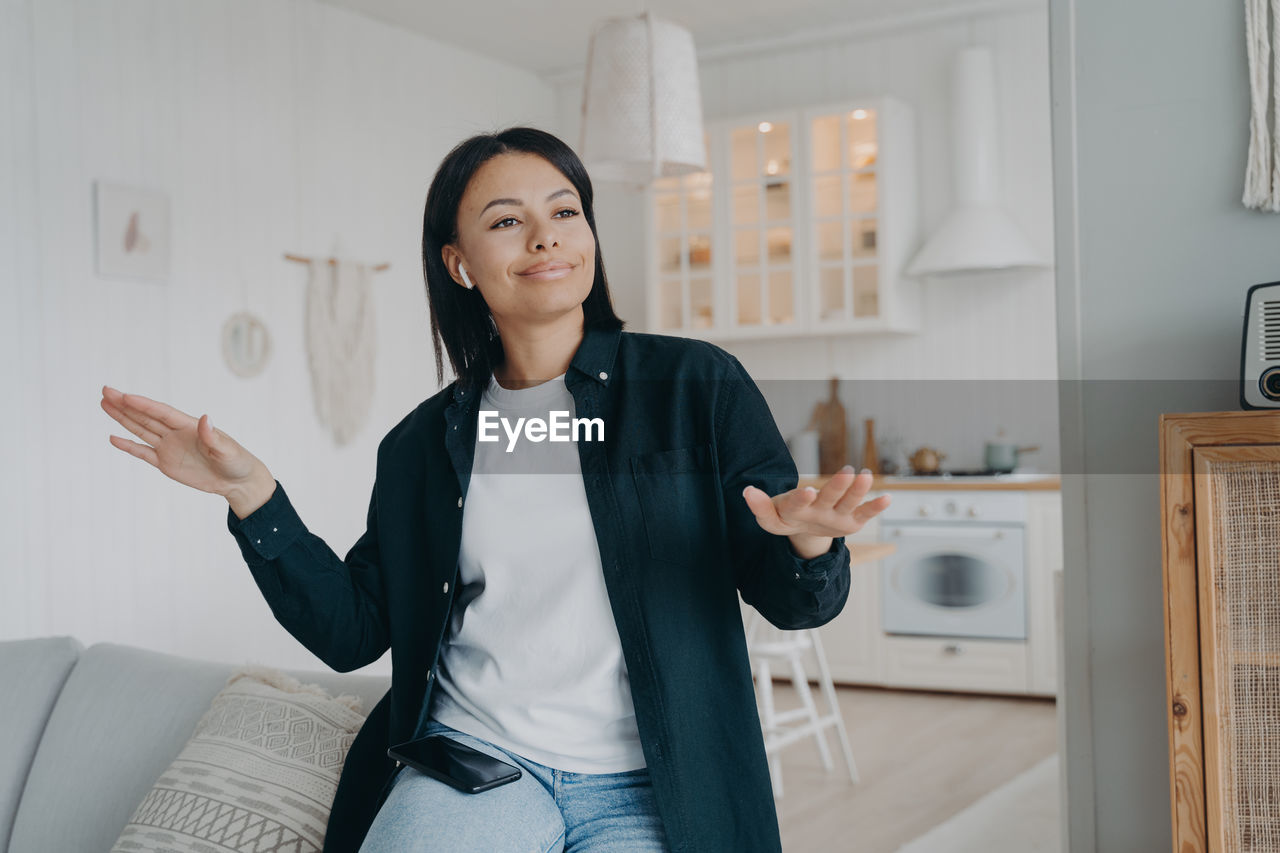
[(189, 450), (835, 510)]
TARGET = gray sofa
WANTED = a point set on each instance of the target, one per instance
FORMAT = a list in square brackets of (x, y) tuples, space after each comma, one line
[(88, 731)]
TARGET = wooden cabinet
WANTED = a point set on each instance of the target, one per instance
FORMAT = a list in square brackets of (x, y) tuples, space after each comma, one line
[(801, 224), (1220, 543)]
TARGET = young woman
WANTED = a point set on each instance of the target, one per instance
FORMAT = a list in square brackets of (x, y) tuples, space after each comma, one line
[(568, 606)]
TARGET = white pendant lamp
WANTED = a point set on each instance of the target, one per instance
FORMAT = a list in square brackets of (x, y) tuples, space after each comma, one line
[(978, 235), (641, 102)]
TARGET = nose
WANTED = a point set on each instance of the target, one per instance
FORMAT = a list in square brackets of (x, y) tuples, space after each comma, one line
[(546, 237)]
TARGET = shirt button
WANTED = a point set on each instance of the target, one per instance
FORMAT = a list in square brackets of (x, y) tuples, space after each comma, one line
[(455, 426), (446, 586), (797, 576), (275, 529), (604, 375), (259, 541), (459, 501)]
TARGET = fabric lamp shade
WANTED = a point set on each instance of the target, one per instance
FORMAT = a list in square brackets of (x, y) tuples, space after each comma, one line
[(641, 102)]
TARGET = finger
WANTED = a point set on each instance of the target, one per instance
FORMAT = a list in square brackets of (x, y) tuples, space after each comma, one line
[(146, 454), (839, 487), (829, 522), (208, 435), (129, 423), (762, 506), (869, 510), (873, 507), (154, 414), (854, 495), (796, 501)]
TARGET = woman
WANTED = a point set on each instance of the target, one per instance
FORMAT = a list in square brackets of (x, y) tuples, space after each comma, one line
[(575, 602)]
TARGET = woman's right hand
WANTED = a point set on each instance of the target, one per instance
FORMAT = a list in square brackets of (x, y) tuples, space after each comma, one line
[(189, 450)]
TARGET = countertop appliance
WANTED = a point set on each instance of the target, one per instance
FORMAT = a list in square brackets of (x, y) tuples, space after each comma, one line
[(1260, 348), (960, 566)]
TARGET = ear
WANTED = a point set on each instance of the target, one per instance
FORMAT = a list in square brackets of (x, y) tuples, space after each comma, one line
[(452, 259)]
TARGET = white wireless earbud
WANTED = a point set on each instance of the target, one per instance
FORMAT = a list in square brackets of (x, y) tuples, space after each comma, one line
[(468, 281)]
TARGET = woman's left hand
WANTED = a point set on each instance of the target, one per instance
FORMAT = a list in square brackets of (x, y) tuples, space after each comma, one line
[(812, 518)]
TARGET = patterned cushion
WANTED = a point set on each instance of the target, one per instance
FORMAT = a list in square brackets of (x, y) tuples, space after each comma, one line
[(258, 774)]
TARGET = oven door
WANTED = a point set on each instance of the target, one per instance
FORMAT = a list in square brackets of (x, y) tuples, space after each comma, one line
[(954, 580)]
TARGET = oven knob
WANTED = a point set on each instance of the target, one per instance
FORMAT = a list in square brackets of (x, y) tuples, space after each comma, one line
[(925, 509), (973, 512), (951, 507), (953, 649)]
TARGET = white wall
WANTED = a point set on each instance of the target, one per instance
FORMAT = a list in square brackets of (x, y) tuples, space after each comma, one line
[(274, 126), (1156, 253), (996, 334)]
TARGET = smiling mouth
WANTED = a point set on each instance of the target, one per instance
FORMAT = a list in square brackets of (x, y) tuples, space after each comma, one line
[(547, 275)]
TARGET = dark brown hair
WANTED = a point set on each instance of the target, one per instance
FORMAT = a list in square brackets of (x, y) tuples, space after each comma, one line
[(460, 318)]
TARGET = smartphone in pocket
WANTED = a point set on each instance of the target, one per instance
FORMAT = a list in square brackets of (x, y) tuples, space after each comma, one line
[(452, 762)]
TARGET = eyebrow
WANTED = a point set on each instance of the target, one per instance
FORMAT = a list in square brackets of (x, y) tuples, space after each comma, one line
[(516, 201)]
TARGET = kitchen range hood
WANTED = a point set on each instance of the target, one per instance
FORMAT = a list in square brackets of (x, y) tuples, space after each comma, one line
[(978, 235)]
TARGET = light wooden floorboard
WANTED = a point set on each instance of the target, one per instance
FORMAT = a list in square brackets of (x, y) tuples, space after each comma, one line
[(922, 757)]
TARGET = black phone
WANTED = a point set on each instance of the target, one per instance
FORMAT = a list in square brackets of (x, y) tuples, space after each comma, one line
[(464, 767)]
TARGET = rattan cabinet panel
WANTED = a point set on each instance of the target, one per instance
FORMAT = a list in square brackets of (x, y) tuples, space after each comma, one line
[(1220, 507)]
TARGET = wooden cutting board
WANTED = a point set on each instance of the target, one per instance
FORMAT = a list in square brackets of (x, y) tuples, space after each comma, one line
[(832, 425)]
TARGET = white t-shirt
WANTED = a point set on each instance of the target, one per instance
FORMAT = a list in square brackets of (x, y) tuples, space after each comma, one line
[(533, 662)]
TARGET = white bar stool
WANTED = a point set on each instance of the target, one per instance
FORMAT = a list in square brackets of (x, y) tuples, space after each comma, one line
[(765, 644)]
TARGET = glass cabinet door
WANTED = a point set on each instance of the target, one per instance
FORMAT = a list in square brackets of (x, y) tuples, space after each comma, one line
[(762, 224), (844, 149), (682, 226)]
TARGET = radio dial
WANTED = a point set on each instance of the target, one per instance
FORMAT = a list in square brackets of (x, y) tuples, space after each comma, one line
[(1269, 383)]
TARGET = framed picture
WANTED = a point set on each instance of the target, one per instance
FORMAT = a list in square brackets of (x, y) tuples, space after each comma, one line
[(132, 232)]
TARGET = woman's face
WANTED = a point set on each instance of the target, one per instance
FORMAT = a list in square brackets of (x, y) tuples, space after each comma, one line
[(518, 215)]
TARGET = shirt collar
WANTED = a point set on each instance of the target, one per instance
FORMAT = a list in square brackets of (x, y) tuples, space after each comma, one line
[(594, 358), (596, 353)]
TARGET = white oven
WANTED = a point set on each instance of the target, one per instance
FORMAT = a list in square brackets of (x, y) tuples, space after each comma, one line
[(960, 567)]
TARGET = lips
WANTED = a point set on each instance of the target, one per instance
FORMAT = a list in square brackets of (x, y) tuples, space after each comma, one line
[(548, 270)]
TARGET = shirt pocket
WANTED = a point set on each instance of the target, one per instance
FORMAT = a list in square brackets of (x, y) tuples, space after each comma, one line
[(679, 494)]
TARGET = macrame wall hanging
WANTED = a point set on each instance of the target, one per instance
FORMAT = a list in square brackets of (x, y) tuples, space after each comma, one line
[(1262, 34), (341, 343)]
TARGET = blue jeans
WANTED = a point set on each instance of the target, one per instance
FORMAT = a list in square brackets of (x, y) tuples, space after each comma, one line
[(544, 811)]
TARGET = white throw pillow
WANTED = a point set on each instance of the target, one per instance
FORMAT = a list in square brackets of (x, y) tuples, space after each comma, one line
[(259, 773)]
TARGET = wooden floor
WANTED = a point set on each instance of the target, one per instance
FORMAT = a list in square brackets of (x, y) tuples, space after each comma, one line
[(921, 757)]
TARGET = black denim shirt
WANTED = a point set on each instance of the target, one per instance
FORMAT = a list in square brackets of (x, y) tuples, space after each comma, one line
[(686, 429)]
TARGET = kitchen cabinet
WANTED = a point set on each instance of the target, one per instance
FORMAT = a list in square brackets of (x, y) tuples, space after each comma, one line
[(1219, 505), (802, 224), (1016, 666)]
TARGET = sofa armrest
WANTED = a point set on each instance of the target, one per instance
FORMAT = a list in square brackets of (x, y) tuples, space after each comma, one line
[(32, 673)]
